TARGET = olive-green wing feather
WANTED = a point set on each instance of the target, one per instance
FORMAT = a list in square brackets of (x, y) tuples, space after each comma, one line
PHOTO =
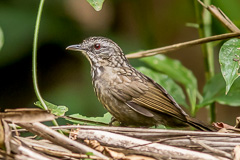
[(125, 92), (157, 99), (148, 95)]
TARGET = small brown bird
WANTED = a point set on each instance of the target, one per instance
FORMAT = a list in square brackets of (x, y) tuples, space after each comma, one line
[(130, 96)]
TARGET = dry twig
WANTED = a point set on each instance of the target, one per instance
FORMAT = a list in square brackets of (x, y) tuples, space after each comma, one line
[(213, 150), (55, 137), (26, 152), (218, 13), (177, 46)]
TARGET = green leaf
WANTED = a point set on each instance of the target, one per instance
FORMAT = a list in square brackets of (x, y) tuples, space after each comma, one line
[(80, 119), (96, 4), (179, 73), (214, 91), (54, 109), (1, 38), (172, 88), (229, 61)]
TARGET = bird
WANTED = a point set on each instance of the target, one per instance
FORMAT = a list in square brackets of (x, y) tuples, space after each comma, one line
[(131, 97)]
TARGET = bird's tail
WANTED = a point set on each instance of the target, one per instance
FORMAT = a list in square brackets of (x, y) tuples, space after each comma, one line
[(199, 125)]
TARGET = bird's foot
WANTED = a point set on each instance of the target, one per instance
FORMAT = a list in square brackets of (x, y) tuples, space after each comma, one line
[(114, 122)]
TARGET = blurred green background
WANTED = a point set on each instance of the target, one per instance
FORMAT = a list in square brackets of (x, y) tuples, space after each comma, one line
[(64, 77)]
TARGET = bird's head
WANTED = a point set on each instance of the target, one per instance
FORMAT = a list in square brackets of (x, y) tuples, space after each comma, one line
[(100, 51)]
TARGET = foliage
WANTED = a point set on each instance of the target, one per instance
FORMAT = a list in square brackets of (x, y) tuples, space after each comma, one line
[(54, 109), (214, 91), (80, 119), (96, 4), (229, 61)]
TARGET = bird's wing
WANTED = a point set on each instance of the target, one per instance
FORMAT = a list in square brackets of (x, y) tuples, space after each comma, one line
[(148, 95)]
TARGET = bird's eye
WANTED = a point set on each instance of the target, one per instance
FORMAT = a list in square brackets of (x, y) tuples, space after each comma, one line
[(97, 46)]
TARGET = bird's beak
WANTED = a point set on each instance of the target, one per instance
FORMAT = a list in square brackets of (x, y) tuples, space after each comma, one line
[(76, 47)]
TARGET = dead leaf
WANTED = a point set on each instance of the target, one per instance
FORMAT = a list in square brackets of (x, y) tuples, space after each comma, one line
[(26, 115), (74, 133), (105, 150), (225, 128), (220, 125), (95, 145)]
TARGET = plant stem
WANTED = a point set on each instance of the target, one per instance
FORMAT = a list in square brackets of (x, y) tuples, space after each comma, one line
[(207, 21), (34, 60), (207, 24), (212, 112), (204, 20)]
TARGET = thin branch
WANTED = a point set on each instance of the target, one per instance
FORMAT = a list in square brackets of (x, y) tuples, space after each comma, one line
[(178, 46), (231, 25), (5, 154), (57, 138), (218, 13), (199, 1), (7, 136), (26, 151), (213, 150), (64, 154)]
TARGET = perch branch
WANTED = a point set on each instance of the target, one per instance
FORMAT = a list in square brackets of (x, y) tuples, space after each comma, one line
[(117, 140)]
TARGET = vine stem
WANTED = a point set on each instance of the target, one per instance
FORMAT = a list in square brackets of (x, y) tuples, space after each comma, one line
[(34, 58), (34, 61), (204, 20)]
